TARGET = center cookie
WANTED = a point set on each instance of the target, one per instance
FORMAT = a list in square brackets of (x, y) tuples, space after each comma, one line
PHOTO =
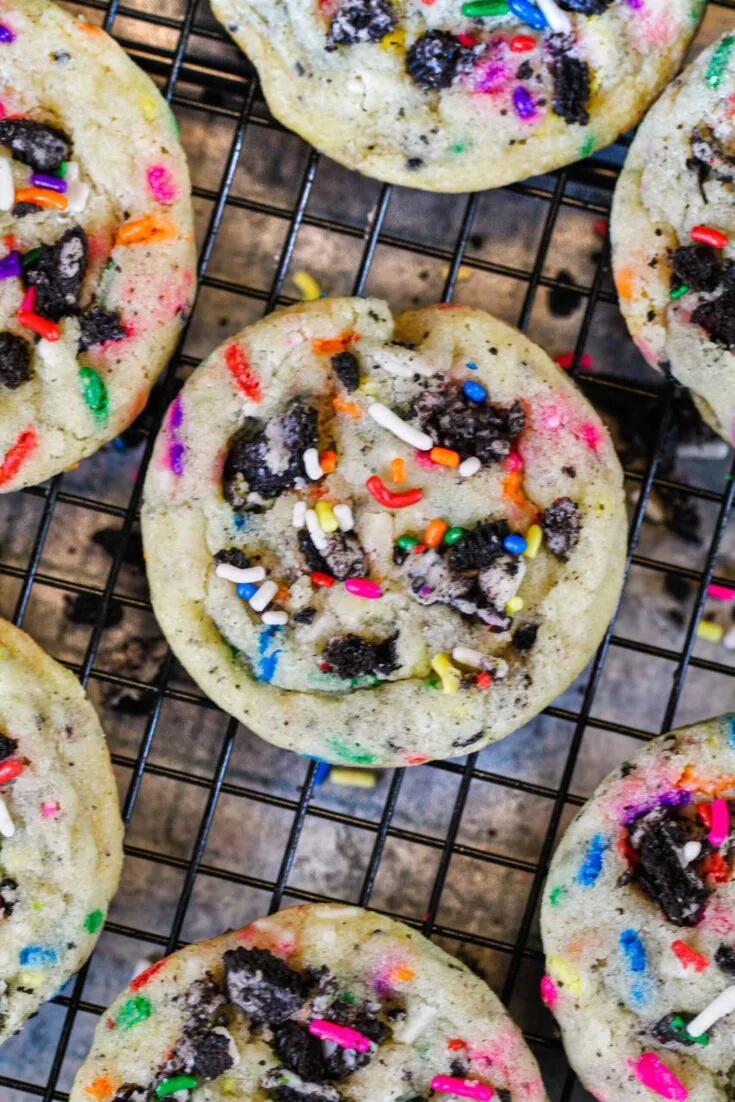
[(382, 540)]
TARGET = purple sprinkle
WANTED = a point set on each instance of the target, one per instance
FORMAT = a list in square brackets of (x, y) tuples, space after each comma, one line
[(10, 266), (176, 414), (523, 103), (425, 590), (636, 4), (6, 35), (176, 457), (675, 798), (51, 183)]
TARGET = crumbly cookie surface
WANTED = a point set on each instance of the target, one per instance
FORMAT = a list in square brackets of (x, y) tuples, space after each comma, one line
[(638, 923), (60, 829), (254, 1015), (97, 264), (433, 96), (371, 597)]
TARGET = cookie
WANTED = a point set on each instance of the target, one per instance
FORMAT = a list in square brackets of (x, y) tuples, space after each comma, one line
[(673, 227), (442, 97), (380, 540), (638, 924), (97, 264), (321, 1002), (60, 829)]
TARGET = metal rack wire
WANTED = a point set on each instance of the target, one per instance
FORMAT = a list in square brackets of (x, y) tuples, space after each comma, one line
[(185, 52)]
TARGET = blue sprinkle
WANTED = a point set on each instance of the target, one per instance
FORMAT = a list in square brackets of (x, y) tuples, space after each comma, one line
[(529, 13), (322, 772), (472, 365), (591, 866), (515, 544), (474, 391), (730, 723), (269, 651), (35, 956), (246, 590), (239, 519), (634, 950)]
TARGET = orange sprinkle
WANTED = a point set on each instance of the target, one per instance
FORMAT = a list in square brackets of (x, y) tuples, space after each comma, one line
[(283, 593), (100, 1087), (41, 197), (330, 346), (434, 533), (454, 1044), (445, 457), (346, 407), (328, 461), (144, 230), (624, 281), (694, 782), (403, 973), (513, 488), (398, 470)]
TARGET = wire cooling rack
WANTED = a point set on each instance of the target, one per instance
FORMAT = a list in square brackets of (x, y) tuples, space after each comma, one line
[(223, 827)]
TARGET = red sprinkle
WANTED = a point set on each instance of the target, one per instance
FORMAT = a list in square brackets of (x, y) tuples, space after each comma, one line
[(689, 956), (242, 372), (566, 359), (323, 580), (521, 43), (704, 813), (49, 330), (455, 1044), (392, 499), (9, 770), (142, 979), (707, 235), (484, 680), (467, 40), (715, 868), (17, 454)]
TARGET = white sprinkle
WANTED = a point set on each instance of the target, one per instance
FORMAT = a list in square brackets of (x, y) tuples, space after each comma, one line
[(718, 1008), (416, 1022), (275, 616), (240, 574), (466, 656), (400, 428), (77, 193), (7, 186), (318, 538), (299, 514), (263, 596), (344, 516), (7, 829), (470, 466), (691, 852), (312, 464), (555, 17)]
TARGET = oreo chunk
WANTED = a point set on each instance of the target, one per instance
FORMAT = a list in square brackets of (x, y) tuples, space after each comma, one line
[(571, 88), (268, 461), (304, 615), (586, 7), (15, 361), (352, 656), (470, 428), (697, 266), (433, 59), (312, 557), (57, 273), (299, 1051), (9, 896), (34, 143), (8, 746), (562, 524), (724, 957), (97, 326), (346, 367), (362, 1017), (525, 636), (717, 318), (478, 548), (344, 557), (213, 1054), (262, 985), (232, 556), (284, 1085), (658, 838), (130, 1092), (361, 21)]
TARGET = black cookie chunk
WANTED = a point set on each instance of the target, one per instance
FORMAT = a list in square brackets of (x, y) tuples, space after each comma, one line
[(300, 1052), (130, 1092), (525, 636), (361, 21), (562, 524), (479, 547), (8, 746), (717, 318), (312, 557), (571, 88), (352, 656), (35, 144), (267, 461), (262, 985), (9, 896), (57, 273), (470, 428), (433, 59), (286, 1086), (586, 7), (212, 1054), (362, 1017), (15, 361), (346, 367), (96, 326), (232, 556), (658, 838), (725, 958), (697, 266), (343, 557)]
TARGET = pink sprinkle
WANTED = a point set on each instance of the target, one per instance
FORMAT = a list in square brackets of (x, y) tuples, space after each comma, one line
[(463, 1088), (512, 462), (658, 1078), (591, 435), (161, 183), (363, 587), (50, 810), (422, 459), (342, 1035), (720, 827), (721, 593), (566, 359), (549, 993)]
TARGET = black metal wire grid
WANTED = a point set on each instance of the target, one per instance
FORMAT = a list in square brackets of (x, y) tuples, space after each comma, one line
[(196, 75)]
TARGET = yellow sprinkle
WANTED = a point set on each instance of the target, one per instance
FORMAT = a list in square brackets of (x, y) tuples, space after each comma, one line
[(708, 630), (449, 674), (515, 604), (564, 974), (534, 539), (464, 273), (148, 107), (307, 285), (31, 979), (228, 1084), (394, 40), (325, 515), (354, 778)]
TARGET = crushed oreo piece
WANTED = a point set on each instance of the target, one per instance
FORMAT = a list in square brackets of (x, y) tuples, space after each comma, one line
[(213, 1053), (562, 524), (343, 557), (286, 1086), (34, 143), (8, 746), (525, 636), (478, 547), (658, 838), (346, 367), (717, 318), (57, 273), (697, 266), (433, 60), (586, 7), (97, 326), (725, 958), (9, 896), (361, 21), (299, 1051), (312, 557), (262, 985), (571, 88), (267, 461), (15, 361), (130, 1092), (673, 1027), (352, 656), (453, 421), (304, 615), (232, 556)]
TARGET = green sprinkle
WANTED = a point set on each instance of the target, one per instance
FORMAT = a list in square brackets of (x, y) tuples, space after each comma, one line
[(677, 292), (459, 147), (432, 681), (29, 257), (365, 681), (61, 171), (133, 1012), (93, 921), (719, 62), (407, 543), (479, 9), (94, 393), (347, 997), (587, 146), (452, 535), (174, 1084), (556, 894), (678, 1026), (355, 757)]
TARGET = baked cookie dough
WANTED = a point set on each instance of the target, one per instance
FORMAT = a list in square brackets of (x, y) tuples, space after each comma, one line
[(96, 247), (380, 540), (442, 97), (323, 1003), (638, 924), (60, 829), (673, 228)]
